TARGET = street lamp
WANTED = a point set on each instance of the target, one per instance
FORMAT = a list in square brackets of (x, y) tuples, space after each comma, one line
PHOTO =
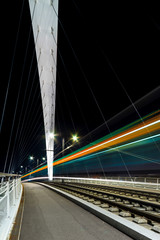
[(75, 138), (51, 135), (31, 158)]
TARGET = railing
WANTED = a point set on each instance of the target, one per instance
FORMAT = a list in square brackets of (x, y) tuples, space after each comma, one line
[(146, 183), (10, 195), (136, 182)]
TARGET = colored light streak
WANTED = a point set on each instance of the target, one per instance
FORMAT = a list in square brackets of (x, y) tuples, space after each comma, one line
[(140, 130), (150, 127), (120, 150), (122, 146)]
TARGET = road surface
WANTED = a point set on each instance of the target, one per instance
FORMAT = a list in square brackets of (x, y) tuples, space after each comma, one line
[(49, 216)]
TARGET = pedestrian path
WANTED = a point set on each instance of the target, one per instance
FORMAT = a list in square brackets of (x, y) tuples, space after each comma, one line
[(50, 216)]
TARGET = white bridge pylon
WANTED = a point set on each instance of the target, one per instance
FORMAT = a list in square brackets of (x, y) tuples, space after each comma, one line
[(44, 16)]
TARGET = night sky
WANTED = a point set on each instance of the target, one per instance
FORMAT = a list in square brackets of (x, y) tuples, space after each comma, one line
[(108, 59)]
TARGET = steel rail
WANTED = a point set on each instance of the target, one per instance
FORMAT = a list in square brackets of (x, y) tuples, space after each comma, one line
[(149, 216)]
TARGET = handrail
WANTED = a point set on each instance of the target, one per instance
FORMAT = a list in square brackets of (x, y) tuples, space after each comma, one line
[(154, 183), (10, 195)]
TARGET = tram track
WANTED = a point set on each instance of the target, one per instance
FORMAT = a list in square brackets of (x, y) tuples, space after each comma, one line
[(139, 207)]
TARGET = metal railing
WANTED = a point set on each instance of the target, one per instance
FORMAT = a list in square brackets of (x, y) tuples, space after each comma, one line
[(10, 196), (136, 182)]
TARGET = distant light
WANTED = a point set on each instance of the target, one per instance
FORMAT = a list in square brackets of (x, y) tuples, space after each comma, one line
[(31, 157), (75, 138), (43, 158), (21, 166)]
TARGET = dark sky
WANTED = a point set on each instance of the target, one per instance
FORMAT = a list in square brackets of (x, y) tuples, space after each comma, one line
[(108, 59)]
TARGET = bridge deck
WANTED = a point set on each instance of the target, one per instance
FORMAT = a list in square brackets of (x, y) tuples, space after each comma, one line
[(50, 216)]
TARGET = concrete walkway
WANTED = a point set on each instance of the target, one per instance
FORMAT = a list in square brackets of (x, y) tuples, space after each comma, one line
[(49, 216)]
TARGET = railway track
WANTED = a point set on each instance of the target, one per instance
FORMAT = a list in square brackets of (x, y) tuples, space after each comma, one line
[(141, 207)]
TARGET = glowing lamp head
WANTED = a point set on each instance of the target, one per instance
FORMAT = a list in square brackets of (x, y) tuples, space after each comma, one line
[(75, 138), (51, 135)]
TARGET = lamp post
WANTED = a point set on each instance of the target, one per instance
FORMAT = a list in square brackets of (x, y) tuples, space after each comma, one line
[(37, 162), (74, 139), (31, 158), (63, 145)]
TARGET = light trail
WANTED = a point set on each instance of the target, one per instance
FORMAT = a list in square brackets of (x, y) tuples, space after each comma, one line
[(141, 129), (107, 143), (125, 145)]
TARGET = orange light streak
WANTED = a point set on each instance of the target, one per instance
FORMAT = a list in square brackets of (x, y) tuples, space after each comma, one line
[(141, 129), (144, 128)]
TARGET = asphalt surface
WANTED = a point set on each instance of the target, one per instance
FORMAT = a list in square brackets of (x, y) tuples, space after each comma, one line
[(49, 216)]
